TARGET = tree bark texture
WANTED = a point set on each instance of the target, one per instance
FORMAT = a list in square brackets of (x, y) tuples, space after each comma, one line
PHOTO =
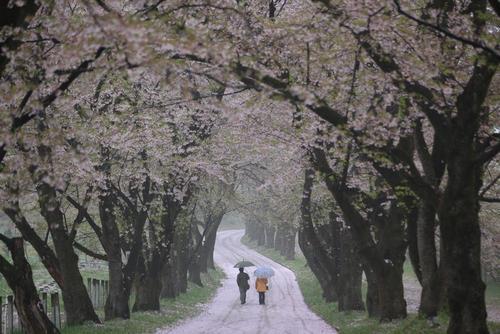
[(77, 304), (19, 277)]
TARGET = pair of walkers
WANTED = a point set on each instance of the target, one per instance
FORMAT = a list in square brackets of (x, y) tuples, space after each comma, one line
[(260, 285)]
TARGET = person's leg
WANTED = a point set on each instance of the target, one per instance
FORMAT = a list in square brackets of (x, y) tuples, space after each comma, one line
[(243, 295), (261, 298)]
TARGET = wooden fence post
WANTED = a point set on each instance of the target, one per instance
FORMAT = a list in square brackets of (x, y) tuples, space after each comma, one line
[(106, 288), (103, 293), (9, 326), (45, 303), (89, 288), (56, 311), (95, 289)]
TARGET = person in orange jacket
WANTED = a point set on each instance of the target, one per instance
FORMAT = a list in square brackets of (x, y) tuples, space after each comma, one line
[(261, 287)]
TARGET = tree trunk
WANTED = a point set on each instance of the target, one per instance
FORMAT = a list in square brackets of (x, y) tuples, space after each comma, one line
[(77, 304), (19, 277), (211, 237), (195, 271), (389, 273), (203, 264), (458, 209), (350, 276), (270, 231), (278, 239), (182, 242), (461, 234), (372, 299), (148, 284), (411, 236), (386, 254), (289, 249), (391, 293), (324, 279), (117, 301), (318, 258), (261, 234), (426, 223), (169, 279)]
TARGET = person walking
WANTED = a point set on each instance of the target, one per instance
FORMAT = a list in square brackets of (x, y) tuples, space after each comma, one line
[(261, 287), (242, 281)]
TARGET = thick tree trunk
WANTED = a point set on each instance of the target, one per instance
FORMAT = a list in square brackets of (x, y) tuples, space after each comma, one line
[(386, 256), (77, 304), (117, 301), (19, 277), (391, 293), (322, 264), (182, 268), (389, 273), (324, 279), (461, 234), (458, 209), (195, 271), (169, 279), (350, 276), (148, 284), (211, 237)]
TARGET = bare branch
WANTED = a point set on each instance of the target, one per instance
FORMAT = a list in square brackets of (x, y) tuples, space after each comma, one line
[(89, 252), (447, 33)]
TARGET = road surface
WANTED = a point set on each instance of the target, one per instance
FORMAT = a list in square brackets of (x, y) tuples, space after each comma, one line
[(284, 312)]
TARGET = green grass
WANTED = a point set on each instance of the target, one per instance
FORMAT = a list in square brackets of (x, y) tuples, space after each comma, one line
[(493, 293), (172, 310), (353, 322)]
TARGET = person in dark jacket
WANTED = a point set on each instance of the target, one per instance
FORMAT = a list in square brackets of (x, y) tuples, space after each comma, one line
[(242, 281)]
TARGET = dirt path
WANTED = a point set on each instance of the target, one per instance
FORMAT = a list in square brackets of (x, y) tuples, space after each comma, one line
[(284, 312)]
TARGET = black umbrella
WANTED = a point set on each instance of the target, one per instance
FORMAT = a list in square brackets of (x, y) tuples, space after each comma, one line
[(243, 264)]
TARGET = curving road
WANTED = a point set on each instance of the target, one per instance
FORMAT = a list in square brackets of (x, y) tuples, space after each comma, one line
[(284, 312)]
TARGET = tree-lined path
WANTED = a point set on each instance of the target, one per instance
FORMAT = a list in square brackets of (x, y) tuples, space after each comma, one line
[(284, 312)]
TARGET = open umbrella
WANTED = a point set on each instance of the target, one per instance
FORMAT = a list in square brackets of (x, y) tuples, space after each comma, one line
[(263, 272), (243, 264)]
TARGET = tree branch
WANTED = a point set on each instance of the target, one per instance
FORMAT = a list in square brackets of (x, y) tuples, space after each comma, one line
[(488, 154), (87, 216), (21, 120), (489, 199), (447, 33), (491, 184), (89, 252)]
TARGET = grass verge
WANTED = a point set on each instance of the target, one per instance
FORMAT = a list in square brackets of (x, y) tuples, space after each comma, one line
[(172, 310), (350, 322)]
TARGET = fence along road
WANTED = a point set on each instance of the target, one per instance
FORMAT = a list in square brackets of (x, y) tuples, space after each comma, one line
[(284, 312)]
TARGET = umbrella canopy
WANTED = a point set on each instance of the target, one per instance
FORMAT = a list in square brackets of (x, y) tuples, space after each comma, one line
[(243, 264), (263, 272)]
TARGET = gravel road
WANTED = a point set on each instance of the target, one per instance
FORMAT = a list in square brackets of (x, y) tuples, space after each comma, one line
[(284, 312)]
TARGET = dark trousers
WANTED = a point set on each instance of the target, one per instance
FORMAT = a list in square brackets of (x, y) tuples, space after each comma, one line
[(262, 298), (243, 295)]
